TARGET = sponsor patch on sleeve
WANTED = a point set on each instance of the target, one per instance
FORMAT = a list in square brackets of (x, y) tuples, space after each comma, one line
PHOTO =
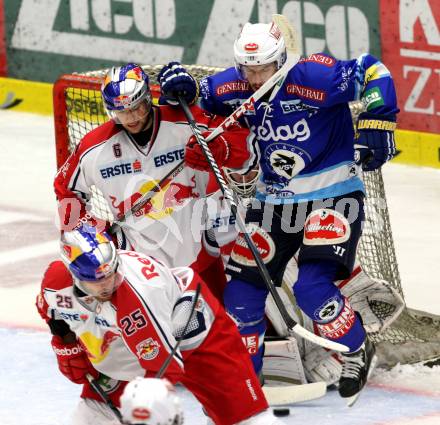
[(372, 98)]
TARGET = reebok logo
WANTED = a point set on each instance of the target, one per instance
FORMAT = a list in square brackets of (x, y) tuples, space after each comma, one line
[(67, 351)]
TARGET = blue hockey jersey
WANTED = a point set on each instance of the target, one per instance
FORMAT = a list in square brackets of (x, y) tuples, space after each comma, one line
[(305, 133)]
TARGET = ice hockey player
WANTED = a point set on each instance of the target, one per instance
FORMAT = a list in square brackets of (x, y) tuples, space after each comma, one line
[(129, 155), (117, 314), (310, 193)]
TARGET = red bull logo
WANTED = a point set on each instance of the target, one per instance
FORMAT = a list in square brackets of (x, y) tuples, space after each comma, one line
[(122, 100), (108, 338), (161, 204), (147, 349), (97, 349), (67, 250), (135, 74), (104, 269)]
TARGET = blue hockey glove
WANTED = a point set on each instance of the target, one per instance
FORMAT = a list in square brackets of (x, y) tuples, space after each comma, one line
[(374, 140), (175, 81)]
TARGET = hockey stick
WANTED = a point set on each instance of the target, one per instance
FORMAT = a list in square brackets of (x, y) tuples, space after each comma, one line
[(292, 325), (166, 363), (146, 197), (105, 398), (276, 80), (289, 394)]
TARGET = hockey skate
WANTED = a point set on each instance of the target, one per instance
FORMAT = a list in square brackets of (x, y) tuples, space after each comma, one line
[(356, 370)]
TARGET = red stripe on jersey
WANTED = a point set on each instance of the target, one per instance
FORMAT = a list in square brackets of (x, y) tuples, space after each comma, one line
[(201, 117), (143, 333), (73, 209), (56, 277), (98, 135)]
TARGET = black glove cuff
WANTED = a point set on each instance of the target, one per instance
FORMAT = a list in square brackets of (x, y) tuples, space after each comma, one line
[(58, 327)]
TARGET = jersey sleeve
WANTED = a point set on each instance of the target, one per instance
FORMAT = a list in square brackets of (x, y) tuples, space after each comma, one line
[(71, 201), (56, 277), (200, 323), (72, 183), (321, 80), (378, 93), (210, 101), (144, 309), (241, 142)]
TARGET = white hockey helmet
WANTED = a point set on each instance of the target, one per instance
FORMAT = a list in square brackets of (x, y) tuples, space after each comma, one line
[(259, 44), (151, 401)]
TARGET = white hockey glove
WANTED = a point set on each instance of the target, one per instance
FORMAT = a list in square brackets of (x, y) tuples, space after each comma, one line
[(322, 365)]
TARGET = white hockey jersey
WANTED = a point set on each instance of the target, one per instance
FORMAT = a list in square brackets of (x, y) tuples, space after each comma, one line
[(136, 330), (133, 333), (170, 226)]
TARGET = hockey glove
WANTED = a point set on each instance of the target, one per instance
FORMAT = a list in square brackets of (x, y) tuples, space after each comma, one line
[(175, 81), (72, 360), (374, 140), (195, 158)]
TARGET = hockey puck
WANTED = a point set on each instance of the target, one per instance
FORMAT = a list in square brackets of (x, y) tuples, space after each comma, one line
[(285, 411)]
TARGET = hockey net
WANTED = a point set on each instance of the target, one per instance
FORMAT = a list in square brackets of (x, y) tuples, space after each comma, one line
[(413, 337)]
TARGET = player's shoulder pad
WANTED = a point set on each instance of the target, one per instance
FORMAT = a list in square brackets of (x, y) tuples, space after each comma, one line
[(139, 266), (173, 114), (98, 135), (56, 277), (320, 59), (314, 69)]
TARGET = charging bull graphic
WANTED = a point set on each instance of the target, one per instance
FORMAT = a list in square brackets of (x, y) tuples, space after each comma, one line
[(98, 348), (161, 204)]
